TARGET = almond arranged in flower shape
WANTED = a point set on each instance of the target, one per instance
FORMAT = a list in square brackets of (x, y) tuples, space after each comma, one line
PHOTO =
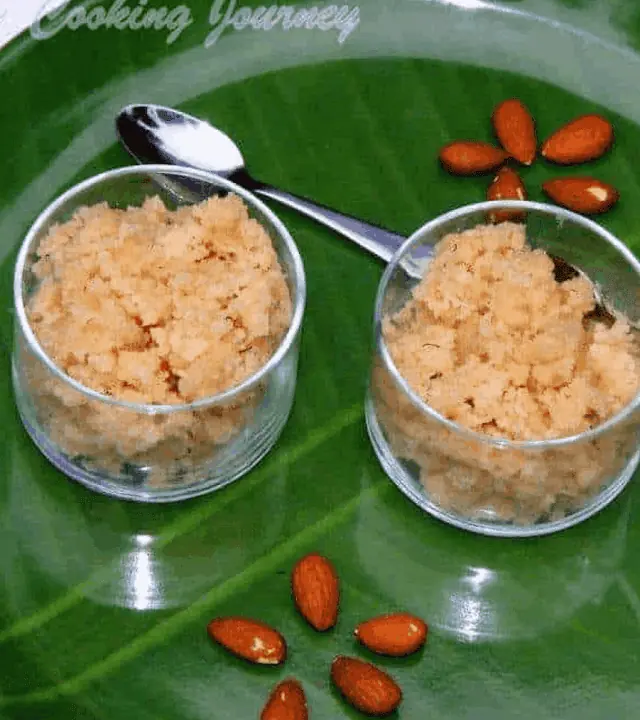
[(467, 157), (515, 129), (585, 138), (249, 639), (365, 686), (286, 702), (507, 185), (396, 634), (316, 591), (584, 195)]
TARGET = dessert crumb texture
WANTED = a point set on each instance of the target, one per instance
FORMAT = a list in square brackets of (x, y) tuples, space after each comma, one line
[(493, 342), (149, 305)]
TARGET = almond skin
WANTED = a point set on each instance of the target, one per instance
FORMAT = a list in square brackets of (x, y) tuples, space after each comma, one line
[(466, 157), (585, 138), (316, 591), (396, 634), (286, 702), (365, 686), (516, 130), (507, 185), (584, 195), (249, 639)]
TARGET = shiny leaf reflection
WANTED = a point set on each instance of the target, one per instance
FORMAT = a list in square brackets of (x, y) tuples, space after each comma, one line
[(142, 590), (470, 612)]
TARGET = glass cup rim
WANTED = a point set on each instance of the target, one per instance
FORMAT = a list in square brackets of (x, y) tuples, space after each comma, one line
[(425, 408), (299, 282)]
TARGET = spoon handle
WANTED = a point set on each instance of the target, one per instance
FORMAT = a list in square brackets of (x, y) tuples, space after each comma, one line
[(376, 240)]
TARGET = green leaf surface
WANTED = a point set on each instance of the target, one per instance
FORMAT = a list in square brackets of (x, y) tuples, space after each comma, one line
[(104, 604)]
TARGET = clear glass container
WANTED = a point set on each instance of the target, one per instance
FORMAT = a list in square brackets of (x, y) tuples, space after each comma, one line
[(149, 452), (480, 482)]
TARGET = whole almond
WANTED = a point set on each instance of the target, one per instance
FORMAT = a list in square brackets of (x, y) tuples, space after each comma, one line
[(467, 157), (585, 138), (507, 185), (396, 634), (249, 639), (286, 702), (365, 686), (515, 129), (316, 591), (584, 195)]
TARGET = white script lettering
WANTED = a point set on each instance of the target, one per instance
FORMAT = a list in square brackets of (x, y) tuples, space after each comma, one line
[(226, 14), (51, 20)]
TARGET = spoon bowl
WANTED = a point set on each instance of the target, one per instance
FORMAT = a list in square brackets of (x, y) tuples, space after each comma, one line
[(152, 133)]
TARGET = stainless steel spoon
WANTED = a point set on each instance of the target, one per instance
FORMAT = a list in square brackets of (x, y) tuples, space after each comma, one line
[(157, 134)]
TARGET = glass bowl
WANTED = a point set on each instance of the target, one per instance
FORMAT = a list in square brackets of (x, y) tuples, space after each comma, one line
[(466, 478), (153, 452)]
